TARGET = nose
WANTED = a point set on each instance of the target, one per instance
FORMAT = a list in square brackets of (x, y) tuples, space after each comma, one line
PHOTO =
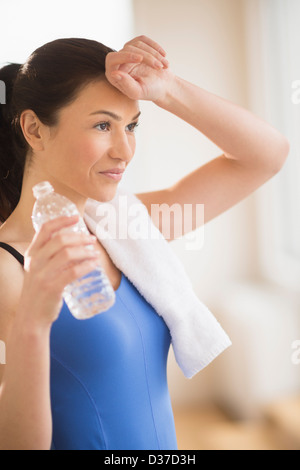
[(122, 147)]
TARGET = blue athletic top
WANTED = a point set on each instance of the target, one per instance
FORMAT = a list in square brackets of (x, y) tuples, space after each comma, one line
[(108, 378)]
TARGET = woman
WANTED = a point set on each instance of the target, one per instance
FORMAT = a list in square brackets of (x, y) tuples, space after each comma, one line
[(70, 118)]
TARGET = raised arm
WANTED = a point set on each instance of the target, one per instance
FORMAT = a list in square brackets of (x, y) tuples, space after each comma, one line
[(252, 151)]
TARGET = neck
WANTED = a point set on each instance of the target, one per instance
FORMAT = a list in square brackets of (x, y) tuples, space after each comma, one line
[(21, 216)]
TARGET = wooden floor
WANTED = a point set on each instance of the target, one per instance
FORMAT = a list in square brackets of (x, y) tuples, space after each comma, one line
[(208, 428)]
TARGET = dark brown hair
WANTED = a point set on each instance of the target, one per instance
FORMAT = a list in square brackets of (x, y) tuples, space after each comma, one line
[(49, 80)]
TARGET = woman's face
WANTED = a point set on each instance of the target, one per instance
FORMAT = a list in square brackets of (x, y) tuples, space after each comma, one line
[(95, 133)]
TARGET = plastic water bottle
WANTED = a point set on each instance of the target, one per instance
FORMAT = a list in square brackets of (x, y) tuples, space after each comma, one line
[(93, 293)]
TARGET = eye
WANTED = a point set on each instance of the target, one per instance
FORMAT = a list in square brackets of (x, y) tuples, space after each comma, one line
[(132, 127), (103, 126)]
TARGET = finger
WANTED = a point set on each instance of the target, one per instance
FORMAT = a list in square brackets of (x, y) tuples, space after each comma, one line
[(70, 256), (150, 56), (75, 272), (115, 59), (49, 228), (149, 42), (139, 46), (62, 240)]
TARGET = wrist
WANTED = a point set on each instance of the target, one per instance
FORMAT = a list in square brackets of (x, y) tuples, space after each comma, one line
[(173, 85), (28, 344), (30, 326)]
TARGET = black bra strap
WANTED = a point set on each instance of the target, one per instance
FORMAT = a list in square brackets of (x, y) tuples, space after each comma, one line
[(13, 252)]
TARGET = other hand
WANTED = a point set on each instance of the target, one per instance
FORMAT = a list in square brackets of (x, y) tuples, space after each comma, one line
[(140, 70)]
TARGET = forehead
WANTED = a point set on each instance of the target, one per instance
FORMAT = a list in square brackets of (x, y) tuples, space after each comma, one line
[(102, 95)]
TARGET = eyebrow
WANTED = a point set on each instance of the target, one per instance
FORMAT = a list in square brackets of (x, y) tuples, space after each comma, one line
[(113, 115)]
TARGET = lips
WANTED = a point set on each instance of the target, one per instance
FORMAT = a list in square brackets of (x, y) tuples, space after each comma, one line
[(115, 173)]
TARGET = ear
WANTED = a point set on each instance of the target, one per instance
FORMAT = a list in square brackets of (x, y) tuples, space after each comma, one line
[(35, 132)]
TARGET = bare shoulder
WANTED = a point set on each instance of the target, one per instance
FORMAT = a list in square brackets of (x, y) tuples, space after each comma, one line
[(154, 197), (11, 280), (11, 283)]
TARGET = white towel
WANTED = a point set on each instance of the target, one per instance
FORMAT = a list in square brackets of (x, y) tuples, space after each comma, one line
[(140, 251)]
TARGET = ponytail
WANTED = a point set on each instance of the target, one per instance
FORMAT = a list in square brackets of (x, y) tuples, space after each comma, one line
[(12, 150)]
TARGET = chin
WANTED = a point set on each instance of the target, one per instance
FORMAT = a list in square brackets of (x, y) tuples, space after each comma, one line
[(105, 195)]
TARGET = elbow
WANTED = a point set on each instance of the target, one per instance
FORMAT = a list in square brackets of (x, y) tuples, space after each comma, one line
[(281, 154)]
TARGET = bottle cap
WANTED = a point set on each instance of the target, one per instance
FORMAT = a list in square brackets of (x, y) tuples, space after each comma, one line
[(41, 189)]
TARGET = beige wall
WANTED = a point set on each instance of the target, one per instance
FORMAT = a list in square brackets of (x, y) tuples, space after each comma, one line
[(205, 43), (220, 46)]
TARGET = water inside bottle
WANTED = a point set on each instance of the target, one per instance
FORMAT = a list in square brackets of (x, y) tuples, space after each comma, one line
[(89, 295)]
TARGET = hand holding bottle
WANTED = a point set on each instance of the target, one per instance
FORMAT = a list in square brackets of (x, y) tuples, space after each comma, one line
[(92, 293), (54, 259)]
